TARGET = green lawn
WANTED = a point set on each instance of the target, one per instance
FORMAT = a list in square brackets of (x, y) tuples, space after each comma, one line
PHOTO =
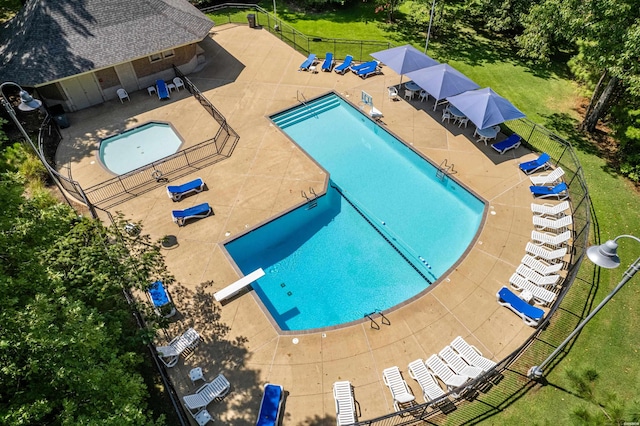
[(598, 381)]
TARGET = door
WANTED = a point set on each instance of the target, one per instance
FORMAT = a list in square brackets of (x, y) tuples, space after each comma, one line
[(83, 91), (127, 76)]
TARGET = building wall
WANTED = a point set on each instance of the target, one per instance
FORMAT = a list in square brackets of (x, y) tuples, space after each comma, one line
[(144, 67), (107, 78)]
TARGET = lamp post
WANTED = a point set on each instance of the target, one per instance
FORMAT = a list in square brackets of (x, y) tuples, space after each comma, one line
[(605, 256), (426, 45), (27, 103)]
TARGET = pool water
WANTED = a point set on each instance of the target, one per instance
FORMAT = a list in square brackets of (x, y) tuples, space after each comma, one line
[(138, 147), (387, 228)]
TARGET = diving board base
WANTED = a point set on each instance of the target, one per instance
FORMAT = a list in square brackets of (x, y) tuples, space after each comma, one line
[(235, 288)]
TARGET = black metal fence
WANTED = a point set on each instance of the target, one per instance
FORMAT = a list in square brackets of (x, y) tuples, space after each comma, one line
[(511, 372), (238, 13), (129, 185)]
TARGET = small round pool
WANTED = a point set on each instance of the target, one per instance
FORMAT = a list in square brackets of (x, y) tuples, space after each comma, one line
[(138, 147)]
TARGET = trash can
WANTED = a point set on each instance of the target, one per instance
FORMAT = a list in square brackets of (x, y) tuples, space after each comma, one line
[(57, 112), (252, 20)]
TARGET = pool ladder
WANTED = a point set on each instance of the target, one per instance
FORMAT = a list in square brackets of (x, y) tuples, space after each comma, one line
[(445, 169), (311, 202), (374, 323)]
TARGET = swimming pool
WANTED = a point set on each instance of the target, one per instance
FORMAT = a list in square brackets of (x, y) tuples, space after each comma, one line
[(386, 229), (138, 147)]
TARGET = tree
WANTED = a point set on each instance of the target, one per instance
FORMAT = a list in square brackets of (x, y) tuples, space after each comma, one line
[(604, 33), (69, 350)]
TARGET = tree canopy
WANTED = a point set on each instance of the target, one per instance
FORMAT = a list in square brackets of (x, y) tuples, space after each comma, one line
[(69, 349)]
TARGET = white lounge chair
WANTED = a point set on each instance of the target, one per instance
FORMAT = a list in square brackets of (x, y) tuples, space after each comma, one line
[(234, 288), (471, 354), (345, 406), (218, 388), (547, 209), (444, 373), (548, 179), (169, 354), (541, 267), (457, 364), (536, 278), (398, 387), (430, 388), (551, 256), (558, 225), (540, 295), (552, 240)]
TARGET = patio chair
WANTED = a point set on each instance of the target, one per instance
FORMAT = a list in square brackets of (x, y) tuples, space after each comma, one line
[(430, 388), (328, 63), (345, 406), (393, 93), (176, 192), (553, 241), (548, 179), (538, 279), (560, 191), (530, 291), (531, 315), (457, 364), (270, 405), (444, 373), (463, 120), (471, 354), (206, 394), (512, 142), (552, 210), (542, 162), (162, 304), (556, 225), (311, 59), (409, 94), (424, 95), (122, 95), (169, 354), (539, 266), (344, 67), (196, 212), (177, 81), (162, 90), (551, 256), (398, 387), (446, 115)]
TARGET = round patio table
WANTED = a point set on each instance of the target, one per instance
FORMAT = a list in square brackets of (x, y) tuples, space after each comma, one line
[(456, 112), (487, 134), (410, 85)]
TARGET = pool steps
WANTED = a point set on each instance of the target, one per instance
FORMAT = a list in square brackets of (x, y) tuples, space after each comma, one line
[(312, 108)]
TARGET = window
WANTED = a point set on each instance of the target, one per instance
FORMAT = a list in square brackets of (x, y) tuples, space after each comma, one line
[(168, 54), (155, 57)]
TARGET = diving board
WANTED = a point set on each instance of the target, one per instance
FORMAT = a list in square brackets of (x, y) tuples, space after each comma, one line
[(234, 288)]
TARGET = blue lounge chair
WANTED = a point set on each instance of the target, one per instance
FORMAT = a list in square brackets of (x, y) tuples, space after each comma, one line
[(364, 65), (560, 191), (343, 67), (368, 71), (311, 59), (529, 314), (542, 162), (328, 62), (161, 302), (195, 212), (512, 142), (176, 192), (163, 91), (270, 405)]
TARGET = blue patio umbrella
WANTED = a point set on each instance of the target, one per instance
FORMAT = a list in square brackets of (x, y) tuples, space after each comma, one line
[(485, 108), (404, 59), (442, 81)]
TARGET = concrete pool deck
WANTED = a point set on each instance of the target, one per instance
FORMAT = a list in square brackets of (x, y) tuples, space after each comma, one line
[(250, 74)]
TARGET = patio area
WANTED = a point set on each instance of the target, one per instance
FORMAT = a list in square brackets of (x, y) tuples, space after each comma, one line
[(248, 75)]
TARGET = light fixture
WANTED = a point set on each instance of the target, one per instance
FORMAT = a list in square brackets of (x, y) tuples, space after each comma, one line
[(606, 256)]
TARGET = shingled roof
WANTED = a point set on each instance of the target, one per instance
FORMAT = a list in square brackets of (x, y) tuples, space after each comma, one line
[(52, 39)]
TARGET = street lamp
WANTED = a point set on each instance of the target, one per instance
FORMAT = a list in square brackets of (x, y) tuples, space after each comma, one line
[(433, 6), (605, 256)]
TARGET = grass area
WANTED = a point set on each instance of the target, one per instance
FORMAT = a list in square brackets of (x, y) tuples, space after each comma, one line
[(598, 380)]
